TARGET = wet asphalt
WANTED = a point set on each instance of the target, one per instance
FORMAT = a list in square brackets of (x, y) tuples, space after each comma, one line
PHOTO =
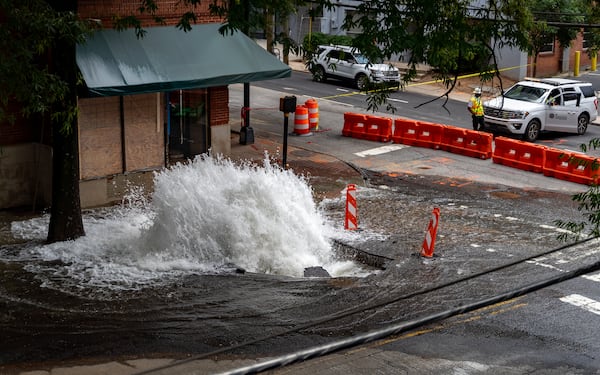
[(490, 215)]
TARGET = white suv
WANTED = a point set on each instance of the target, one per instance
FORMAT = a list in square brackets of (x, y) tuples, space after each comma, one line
[(347, 63), (535, 105)]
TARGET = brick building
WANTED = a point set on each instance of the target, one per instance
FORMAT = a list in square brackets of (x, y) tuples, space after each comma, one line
[(145, 102)]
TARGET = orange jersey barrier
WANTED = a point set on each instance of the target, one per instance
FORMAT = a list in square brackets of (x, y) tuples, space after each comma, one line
[(571, 166), (372, 128), (354, 124), (417, 133), (404, 130), (467, 142), (518, 154), (378, 129)]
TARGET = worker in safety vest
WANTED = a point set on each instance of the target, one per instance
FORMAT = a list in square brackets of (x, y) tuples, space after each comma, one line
[(476, 108)]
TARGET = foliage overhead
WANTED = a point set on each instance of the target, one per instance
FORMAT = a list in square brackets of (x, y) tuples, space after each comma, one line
[(29, 30)]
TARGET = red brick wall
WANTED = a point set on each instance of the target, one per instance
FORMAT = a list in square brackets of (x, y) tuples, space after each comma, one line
[(219, 105), (24, 130), (550, 63), (170, 10)]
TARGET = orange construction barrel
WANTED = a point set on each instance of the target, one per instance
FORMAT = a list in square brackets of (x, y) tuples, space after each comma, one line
[(313, 113), (301, 124)]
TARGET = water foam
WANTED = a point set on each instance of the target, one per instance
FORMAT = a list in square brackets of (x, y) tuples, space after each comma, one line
[(203, 215)]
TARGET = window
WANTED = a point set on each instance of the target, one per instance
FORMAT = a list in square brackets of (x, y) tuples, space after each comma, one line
[(587, 37), (548, 46), (588, 91)]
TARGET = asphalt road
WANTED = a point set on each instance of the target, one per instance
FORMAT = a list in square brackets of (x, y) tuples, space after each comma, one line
[(415, 103), (531, 333)]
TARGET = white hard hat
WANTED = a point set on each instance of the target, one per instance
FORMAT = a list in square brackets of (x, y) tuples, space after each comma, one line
[(477, 90)]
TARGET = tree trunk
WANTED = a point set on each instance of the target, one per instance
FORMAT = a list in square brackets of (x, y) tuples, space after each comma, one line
[(286, 46), (65, 216), (269, 29)]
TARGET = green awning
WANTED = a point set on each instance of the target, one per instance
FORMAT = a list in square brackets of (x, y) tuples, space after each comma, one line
[(166, 59)]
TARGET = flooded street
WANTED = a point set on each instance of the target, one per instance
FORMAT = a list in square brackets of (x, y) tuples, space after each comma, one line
[(216, 259)]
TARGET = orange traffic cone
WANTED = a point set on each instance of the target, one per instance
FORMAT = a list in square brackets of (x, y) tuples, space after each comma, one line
[(429, 242), (351, 221)]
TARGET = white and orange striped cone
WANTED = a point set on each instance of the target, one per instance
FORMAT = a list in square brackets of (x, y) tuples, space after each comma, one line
[(351, 221), (429, 242)]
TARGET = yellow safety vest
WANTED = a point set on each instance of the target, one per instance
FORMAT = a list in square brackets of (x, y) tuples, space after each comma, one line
[(476, 106)]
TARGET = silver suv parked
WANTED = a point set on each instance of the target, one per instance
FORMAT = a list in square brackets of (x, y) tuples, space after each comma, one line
[(347, 63)]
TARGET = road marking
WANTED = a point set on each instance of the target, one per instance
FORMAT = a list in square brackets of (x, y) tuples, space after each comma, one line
[(595, 277), (397, 100), (583, 302), (380, 150), (545, 265)]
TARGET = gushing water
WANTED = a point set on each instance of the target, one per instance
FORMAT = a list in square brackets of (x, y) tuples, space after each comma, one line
[(203, 217)]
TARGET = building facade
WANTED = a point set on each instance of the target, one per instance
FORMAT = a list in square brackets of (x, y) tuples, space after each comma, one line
[(139, 114)]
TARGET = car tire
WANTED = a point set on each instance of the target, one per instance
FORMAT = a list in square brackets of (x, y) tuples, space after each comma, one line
[(532, 132), (582, 123), (319, 74), (362, 82)]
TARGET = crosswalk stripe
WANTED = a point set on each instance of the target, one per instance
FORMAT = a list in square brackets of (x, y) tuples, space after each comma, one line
[(583, 302), (595, 277), (380, 150)]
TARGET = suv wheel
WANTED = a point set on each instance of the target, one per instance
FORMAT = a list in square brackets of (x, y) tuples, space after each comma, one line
[(533, 131), (362, 82), (582, 123), (319, 74)]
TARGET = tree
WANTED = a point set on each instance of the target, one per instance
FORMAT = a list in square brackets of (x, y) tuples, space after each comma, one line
[(38, 71), (553, 12), (440, 34)]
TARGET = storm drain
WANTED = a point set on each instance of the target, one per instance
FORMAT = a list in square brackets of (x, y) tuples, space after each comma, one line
[(349, 252)]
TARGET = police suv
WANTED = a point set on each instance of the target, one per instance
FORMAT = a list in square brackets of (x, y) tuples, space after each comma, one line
[(535, 105), (347, 63)]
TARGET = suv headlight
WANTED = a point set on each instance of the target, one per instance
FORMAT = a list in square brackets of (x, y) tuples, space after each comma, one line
[(377, 73)]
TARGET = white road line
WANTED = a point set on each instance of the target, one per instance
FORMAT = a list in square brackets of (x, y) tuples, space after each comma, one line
[(380, 150), (588, 304), (397, 100), (545, 265), (595, 277)]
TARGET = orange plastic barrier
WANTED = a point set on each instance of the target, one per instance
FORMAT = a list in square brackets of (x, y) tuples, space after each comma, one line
[(355, 125), (518, 154), (313, 113), (404, 130), (301, 125), (467, 142), (351, 220), (418, 133), (379, 129), (429, 241), (571, 166)]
